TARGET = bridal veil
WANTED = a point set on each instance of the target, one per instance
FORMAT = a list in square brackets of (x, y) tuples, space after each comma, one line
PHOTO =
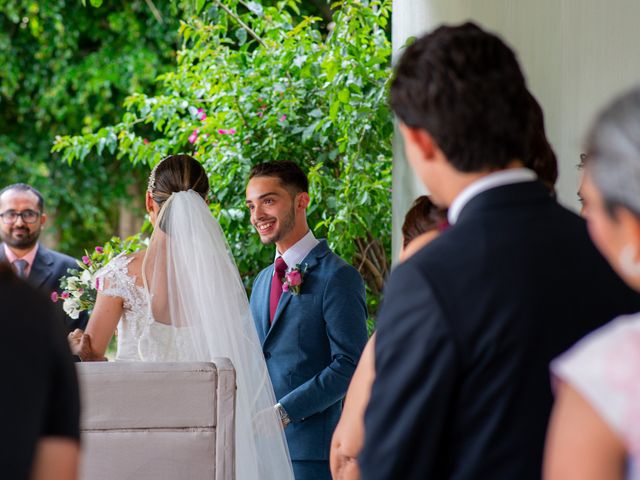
[(201, 311)]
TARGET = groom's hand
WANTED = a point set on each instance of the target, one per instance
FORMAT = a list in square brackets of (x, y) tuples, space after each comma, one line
[(80, 344)]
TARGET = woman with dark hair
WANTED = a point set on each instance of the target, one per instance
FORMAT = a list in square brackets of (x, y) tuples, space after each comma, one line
[(595, 427), (423, 222), (183, 300)]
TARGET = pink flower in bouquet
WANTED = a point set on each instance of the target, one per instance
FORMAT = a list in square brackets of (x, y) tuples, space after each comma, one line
[(294, 278), (65, 295), (86, 260), (54, 296), (285, 287), (99, 249)]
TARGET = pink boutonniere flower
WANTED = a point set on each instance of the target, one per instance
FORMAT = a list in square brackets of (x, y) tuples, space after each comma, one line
[(293, 279)]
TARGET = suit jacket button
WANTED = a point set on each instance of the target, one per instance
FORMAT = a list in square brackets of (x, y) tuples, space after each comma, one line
[(267, 355)]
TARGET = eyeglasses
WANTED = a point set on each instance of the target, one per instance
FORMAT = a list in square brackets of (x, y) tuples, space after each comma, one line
[(28, 216)]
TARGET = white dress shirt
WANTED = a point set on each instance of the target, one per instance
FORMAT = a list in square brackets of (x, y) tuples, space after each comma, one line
[(493, 180), (298, 252)]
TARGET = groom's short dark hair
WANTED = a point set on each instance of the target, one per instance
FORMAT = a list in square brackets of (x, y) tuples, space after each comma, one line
[(289, 173), (465, 88)]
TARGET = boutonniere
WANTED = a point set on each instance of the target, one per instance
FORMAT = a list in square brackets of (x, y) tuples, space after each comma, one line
[(293, 279)]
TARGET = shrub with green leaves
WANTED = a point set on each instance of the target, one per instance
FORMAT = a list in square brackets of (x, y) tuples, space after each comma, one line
[(253, 85)]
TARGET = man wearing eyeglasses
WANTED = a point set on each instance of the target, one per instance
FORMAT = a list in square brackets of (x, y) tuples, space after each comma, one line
[(22, 219)]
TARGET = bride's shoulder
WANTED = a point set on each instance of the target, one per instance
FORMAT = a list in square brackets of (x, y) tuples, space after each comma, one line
[(123, 263), (134, 262)]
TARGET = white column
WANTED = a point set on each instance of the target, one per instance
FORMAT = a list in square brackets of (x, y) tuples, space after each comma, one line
[(576, 55)]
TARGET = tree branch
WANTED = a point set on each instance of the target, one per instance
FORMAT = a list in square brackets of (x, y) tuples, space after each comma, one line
[(241, 23)]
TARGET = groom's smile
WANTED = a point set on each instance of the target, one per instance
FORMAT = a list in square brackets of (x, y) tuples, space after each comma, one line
[(272, 209)]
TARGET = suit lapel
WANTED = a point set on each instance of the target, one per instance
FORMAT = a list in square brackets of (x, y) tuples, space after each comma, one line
[(41, 268), (282, 304), (312, 259)]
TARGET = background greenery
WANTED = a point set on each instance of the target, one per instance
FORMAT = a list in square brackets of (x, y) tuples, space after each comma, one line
[(67, 68), (253, 82)]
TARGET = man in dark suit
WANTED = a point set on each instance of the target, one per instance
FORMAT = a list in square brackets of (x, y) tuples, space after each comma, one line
[(40, 406), (312, 333), (470, 323), (22, 218)]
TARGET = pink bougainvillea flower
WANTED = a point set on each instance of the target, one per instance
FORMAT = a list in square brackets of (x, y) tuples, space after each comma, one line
[(282, 118), (99, 249), (224, 131), (86, 260), (201, 115), (194, 136), (294, 278), (65, 295), (54, 296)]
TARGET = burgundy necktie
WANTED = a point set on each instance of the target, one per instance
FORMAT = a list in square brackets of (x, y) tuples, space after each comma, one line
[(276, 287)]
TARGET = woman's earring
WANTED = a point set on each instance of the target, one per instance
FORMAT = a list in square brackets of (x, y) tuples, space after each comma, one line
[(628, 263)]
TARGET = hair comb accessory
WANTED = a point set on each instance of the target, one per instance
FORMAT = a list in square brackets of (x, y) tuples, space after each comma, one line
[(151, 186)]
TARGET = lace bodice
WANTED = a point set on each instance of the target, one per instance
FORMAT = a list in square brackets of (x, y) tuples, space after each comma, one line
[(140, 337)]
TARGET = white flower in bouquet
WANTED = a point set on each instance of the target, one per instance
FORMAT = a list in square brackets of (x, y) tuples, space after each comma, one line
[(71, 306), (80, 287), (86, 277)]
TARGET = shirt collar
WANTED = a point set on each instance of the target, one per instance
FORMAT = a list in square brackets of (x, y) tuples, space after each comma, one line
[(298, 252), (493, 180), (29, 257)]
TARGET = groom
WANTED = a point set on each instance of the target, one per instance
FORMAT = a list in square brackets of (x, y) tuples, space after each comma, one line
[(312, 334)]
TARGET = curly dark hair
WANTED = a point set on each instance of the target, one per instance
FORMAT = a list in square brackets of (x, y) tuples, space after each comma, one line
[(542, 159), (422, 217), (465, 88)]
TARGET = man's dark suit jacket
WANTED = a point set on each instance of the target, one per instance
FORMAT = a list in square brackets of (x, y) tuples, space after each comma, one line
[(466, 333), (47, 268)]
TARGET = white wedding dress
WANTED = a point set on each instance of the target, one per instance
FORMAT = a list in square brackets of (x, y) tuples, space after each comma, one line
[(191, 306), (139, 337)]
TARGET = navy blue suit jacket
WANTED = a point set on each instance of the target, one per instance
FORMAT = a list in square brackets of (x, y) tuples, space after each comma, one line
[(47, 268), (468, 327), (313, 346)]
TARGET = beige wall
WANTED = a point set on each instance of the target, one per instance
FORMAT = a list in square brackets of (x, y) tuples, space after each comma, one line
[(576, 55)]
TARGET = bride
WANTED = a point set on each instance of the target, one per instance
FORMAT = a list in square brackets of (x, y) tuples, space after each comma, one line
[(183, 300)]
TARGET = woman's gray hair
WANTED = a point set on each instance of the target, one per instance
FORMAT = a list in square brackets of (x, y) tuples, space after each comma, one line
[(613, 153)]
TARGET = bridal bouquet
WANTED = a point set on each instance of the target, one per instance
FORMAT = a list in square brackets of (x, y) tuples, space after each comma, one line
[(80, 287)]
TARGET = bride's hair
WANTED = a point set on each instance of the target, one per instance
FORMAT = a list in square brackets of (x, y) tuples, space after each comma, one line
[(177, 173)]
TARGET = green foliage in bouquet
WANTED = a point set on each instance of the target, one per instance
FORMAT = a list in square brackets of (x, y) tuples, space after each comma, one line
[(80, 287), (254, 84)]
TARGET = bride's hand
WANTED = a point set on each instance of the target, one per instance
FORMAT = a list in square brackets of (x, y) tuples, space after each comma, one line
[(80, 345)]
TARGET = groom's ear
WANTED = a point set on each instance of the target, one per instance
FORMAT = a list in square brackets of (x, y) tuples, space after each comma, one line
[(302, 200)]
